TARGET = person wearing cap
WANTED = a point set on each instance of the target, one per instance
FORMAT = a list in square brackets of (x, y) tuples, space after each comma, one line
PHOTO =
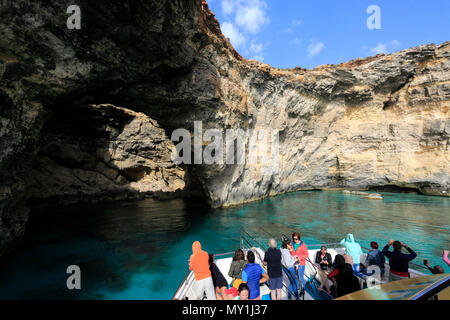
[(376, 258)]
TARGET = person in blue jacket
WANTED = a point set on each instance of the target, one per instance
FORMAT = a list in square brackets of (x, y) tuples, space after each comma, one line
[(353, 249)]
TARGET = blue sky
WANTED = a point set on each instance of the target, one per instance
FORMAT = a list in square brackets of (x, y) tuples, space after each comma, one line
[(308, 33)]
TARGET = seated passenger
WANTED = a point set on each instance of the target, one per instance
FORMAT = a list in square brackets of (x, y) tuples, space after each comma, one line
[(338, 264), (238, 294), (244, 292), (323, 258), (253, 275), (220, 284), (237, 265), (346, 281)]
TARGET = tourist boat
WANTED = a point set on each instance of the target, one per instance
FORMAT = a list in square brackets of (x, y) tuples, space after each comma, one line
[(375, 290)]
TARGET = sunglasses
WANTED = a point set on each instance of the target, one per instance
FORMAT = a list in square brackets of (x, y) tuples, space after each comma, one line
[(294, 238)]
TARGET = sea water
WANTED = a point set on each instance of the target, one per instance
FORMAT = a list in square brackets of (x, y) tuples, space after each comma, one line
[(140, 250)]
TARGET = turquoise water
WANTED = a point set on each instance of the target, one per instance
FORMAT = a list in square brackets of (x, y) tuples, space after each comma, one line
[(140, 250)]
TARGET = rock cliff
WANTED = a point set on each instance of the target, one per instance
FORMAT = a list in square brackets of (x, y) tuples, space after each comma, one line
[(88, 114)]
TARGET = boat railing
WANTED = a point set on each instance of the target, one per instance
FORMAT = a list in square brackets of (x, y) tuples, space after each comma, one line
[(410, 263), (181, 284), (315, 267), (190, 271), (247, 238)]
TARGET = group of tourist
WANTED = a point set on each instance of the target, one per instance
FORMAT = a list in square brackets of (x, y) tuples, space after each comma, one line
[(209, 281), (344, 272), (247, 276)]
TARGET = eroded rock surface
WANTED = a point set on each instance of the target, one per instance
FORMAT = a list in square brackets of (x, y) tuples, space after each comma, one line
[(138, 70), (103, 152)]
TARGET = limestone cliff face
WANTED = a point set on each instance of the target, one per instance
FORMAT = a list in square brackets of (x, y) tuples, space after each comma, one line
[(87, 114), (380, 121)]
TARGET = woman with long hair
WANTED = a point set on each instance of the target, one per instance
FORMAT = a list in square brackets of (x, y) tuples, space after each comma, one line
[(237, 265)]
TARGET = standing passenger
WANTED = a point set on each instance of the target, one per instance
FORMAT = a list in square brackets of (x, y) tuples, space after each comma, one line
[(199, 263), (272, 258), (236, 267), (300, 253), (376, 257), (288, 261), (254, 275), (354, 250), (398, 261)]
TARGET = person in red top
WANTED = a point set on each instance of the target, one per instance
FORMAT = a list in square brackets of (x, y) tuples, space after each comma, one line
[(300, 253), (199, 263)]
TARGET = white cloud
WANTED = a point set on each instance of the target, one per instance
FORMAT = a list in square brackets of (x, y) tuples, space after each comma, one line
[(380, 48), (256, 49), (385, 47), (251, 15), (228, 6), (314, 48), (230, 31)]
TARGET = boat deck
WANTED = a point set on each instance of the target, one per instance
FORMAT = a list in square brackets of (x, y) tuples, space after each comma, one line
[(311, 275)]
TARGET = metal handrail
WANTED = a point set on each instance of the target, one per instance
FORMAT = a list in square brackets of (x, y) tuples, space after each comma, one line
[(411, 263), (181, 284), (288, 273), (223, 254)]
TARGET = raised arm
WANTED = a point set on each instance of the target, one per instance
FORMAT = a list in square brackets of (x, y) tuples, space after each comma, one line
[(412, 254), (445, 257), (386, 251)]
